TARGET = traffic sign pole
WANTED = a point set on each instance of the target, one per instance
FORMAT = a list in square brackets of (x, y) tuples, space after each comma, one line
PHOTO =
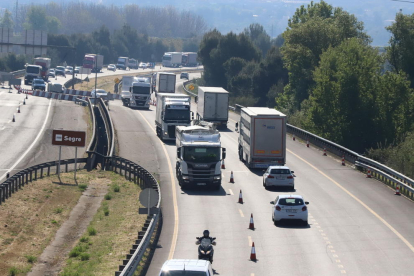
[(76, 159), (60, 154)]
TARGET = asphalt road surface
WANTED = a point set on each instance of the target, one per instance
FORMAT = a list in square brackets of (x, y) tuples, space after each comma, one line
[(357, 226)]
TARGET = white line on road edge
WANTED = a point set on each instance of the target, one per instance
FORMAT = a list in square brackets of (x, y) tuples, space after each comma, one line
[(360, 202), (175, 234), (241, 213), (33, 144)]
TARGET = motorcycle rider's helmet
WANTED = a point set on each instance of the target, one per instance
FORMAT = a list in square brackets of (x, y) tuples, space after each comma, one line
[(206, 233)]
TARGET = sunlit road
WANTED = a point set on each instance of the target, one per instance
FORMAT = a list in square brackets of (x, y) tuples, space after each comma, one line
[(356, 225)]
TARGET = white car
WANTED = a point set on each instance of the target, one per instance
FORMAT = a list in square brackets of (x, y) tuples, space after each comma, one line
[(289, 207), (178, 267), (100, 93), (277, 176), (69, 70)]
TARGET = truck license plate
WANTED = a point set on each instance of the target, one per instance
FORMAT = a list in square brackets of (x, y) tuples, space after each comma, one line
[(201, 184)]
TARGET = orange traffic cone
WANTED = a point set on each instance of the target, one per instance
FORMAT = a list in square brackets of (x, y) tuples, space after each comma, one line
[(26, 97), (324, 151), (231, 177), (18, 109), (307, 143), (251, 224), (294, 139), (253, 254), (223, 166), (24, 101), (241, 197), (369, 174), (397, 190), (14, 120), (343, 160)]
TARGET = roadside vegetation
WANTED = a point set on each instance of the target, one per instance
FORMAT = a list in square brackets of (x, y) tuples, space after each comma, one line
[(327, 77), (31, 217)]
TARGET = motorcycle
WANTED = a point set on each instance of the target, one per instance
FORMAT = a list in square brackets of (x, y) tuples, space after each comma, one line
[(205, 248)]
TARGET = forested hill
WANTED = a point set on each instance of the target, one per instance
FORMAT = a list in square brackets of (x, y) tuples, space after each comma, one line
[(231, 15)]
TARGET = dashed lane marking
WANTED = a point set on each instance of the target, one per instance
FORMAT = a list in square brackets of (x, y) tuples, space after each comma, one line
[(241, 213), (250, 240), (360, 202), (231, 192)]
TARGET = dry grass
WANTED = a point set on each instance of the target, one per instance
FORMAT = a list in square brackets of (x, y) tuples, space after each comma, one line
[(29, 220), (115, 233)]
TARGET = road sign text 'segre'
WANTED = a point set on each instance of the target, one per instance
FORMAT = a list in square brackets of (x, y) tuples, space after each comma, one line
[(68, 138)]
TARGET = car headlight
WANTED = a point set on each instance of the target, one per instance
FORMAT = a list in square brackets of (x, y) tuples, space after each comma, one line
[(202, 252), (217, 177), (165, 133), (185, 177), (208, 252)]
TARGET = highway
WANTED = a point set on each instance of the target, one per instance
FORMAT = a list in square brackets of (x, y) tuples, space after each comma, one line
[(357, 226)]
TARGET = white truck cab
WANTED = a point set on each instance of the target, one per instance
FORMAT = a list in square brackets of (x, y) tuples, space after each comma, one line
[(182, 267), (140, 92)]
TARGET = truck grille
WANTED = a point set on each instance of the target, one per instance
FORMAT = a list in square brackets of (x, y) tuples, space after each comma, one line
[(201, 174), (171, 131)]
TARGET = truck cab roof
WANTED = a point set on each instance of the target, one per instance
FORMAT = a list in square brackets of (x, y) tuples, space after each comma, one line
[(198, 135)]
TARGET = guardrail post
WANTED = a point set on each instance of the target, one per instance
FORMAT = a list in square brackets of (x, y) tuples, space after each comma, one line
[(129, 171), (41, 172), (135, 174), (35, 170), (48, 169), (1, 193), (27, 176), (66, 165)]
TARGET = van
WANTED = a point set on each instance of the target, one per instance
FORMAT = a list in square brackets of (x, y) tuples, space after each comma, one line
[(186, 267)]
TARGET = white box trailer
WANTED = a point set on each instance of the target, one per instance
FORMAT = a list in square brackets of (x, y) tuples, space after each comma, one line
[(166, 82), (262, 139), (213, 105)]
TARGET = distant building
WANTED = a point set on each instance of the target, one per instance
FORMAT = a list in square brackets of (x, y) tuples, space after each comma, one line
[(31, 42)]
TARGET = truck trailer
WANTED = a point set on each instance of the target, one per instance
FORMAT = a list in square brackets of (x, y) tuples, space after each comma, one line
[(122, 63), (172, 59), (213, 105), (45, 64), (125, 90), (166, 82), (262, 137), (189, 59), (172, 110), (93, 62), (199, 156)]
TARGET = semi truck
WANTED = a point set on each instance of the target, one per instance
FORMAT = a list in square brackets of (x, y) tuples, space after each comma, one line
[(172, 59), (122, 63), (93, 62), (189, 59), (199, 156), (166, 82), (172, 110), (140, 92), (125, 90), (132, 63), (213, 105), (45, 64), (32, 72), (262, 137)]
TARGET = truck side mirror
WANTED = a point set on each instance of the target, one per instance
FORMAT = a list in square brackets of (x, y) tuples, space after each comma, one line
[(178, 153), (130, 89), (223, 153)]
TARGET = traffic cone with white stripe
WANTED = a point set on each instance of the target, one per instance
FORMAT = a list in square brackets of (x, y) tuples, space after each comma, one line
[(26, 97), (369, 174), (241, 197), (253, 254), (18, 109), (14, 120), (251, 224), (397, 190), (223, 166), (24, 102), (324, 151), (294, 139), (307, 143), (231, 177), (343, 160)]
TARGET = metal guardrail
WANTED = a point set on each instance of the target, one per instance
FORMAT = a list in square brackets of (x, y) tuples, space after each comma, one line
[(23, 177), (18, 73), (108, 125)]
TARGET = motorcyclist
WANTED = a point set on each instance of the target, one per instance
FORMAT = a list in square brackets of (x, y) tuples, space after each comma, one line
[(206, 235), (206, 251)]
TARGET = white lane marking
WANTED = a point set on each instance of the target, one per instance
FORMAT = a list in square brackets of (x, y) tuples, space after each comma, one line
[(360, 202), (231, 192), (175, 233), (250, 240), (33, 143), (241, 213)]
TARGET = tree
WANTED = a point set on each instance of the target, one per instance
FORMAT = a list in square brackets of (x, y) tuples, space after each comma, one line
[(7, 21), (400, 53), (311, 31), (259, 37), (345, 82), (53, 24), (36, 19)]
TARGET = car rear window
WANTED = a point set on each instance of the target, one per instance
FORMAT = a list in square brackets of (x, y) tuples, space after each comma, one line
[(280, 171), (290, 201)]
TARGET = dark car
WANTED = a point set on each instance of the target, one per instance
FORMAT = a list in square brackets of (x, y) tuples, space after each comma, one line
[(60, 71), (38, 84)]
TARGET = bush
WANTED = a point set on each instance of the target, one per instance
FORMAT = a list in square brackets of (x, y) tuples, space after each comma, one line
[(13, 271), (54, 221), (116, 188), (31, 259), (106, 212), (91, 231), (78, 250), (108, 197), (82, 187), (58, 210), (84, 256), (84, 239)]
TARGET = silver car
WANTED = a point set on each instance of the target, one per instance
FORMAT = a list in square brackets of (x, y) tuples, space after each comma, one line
[(279, 176)]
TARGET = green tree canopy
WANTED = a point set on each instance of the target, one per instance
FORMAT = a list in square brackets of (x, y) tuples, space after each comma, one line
[(7, 21)]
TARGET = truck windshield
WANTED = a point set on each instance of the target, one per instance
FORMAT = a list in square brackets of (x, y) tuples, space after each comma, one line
[(121, 61), (172, 114), (31, 69), (183, 273), (201, 154), (88, 61), (141, 90)]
